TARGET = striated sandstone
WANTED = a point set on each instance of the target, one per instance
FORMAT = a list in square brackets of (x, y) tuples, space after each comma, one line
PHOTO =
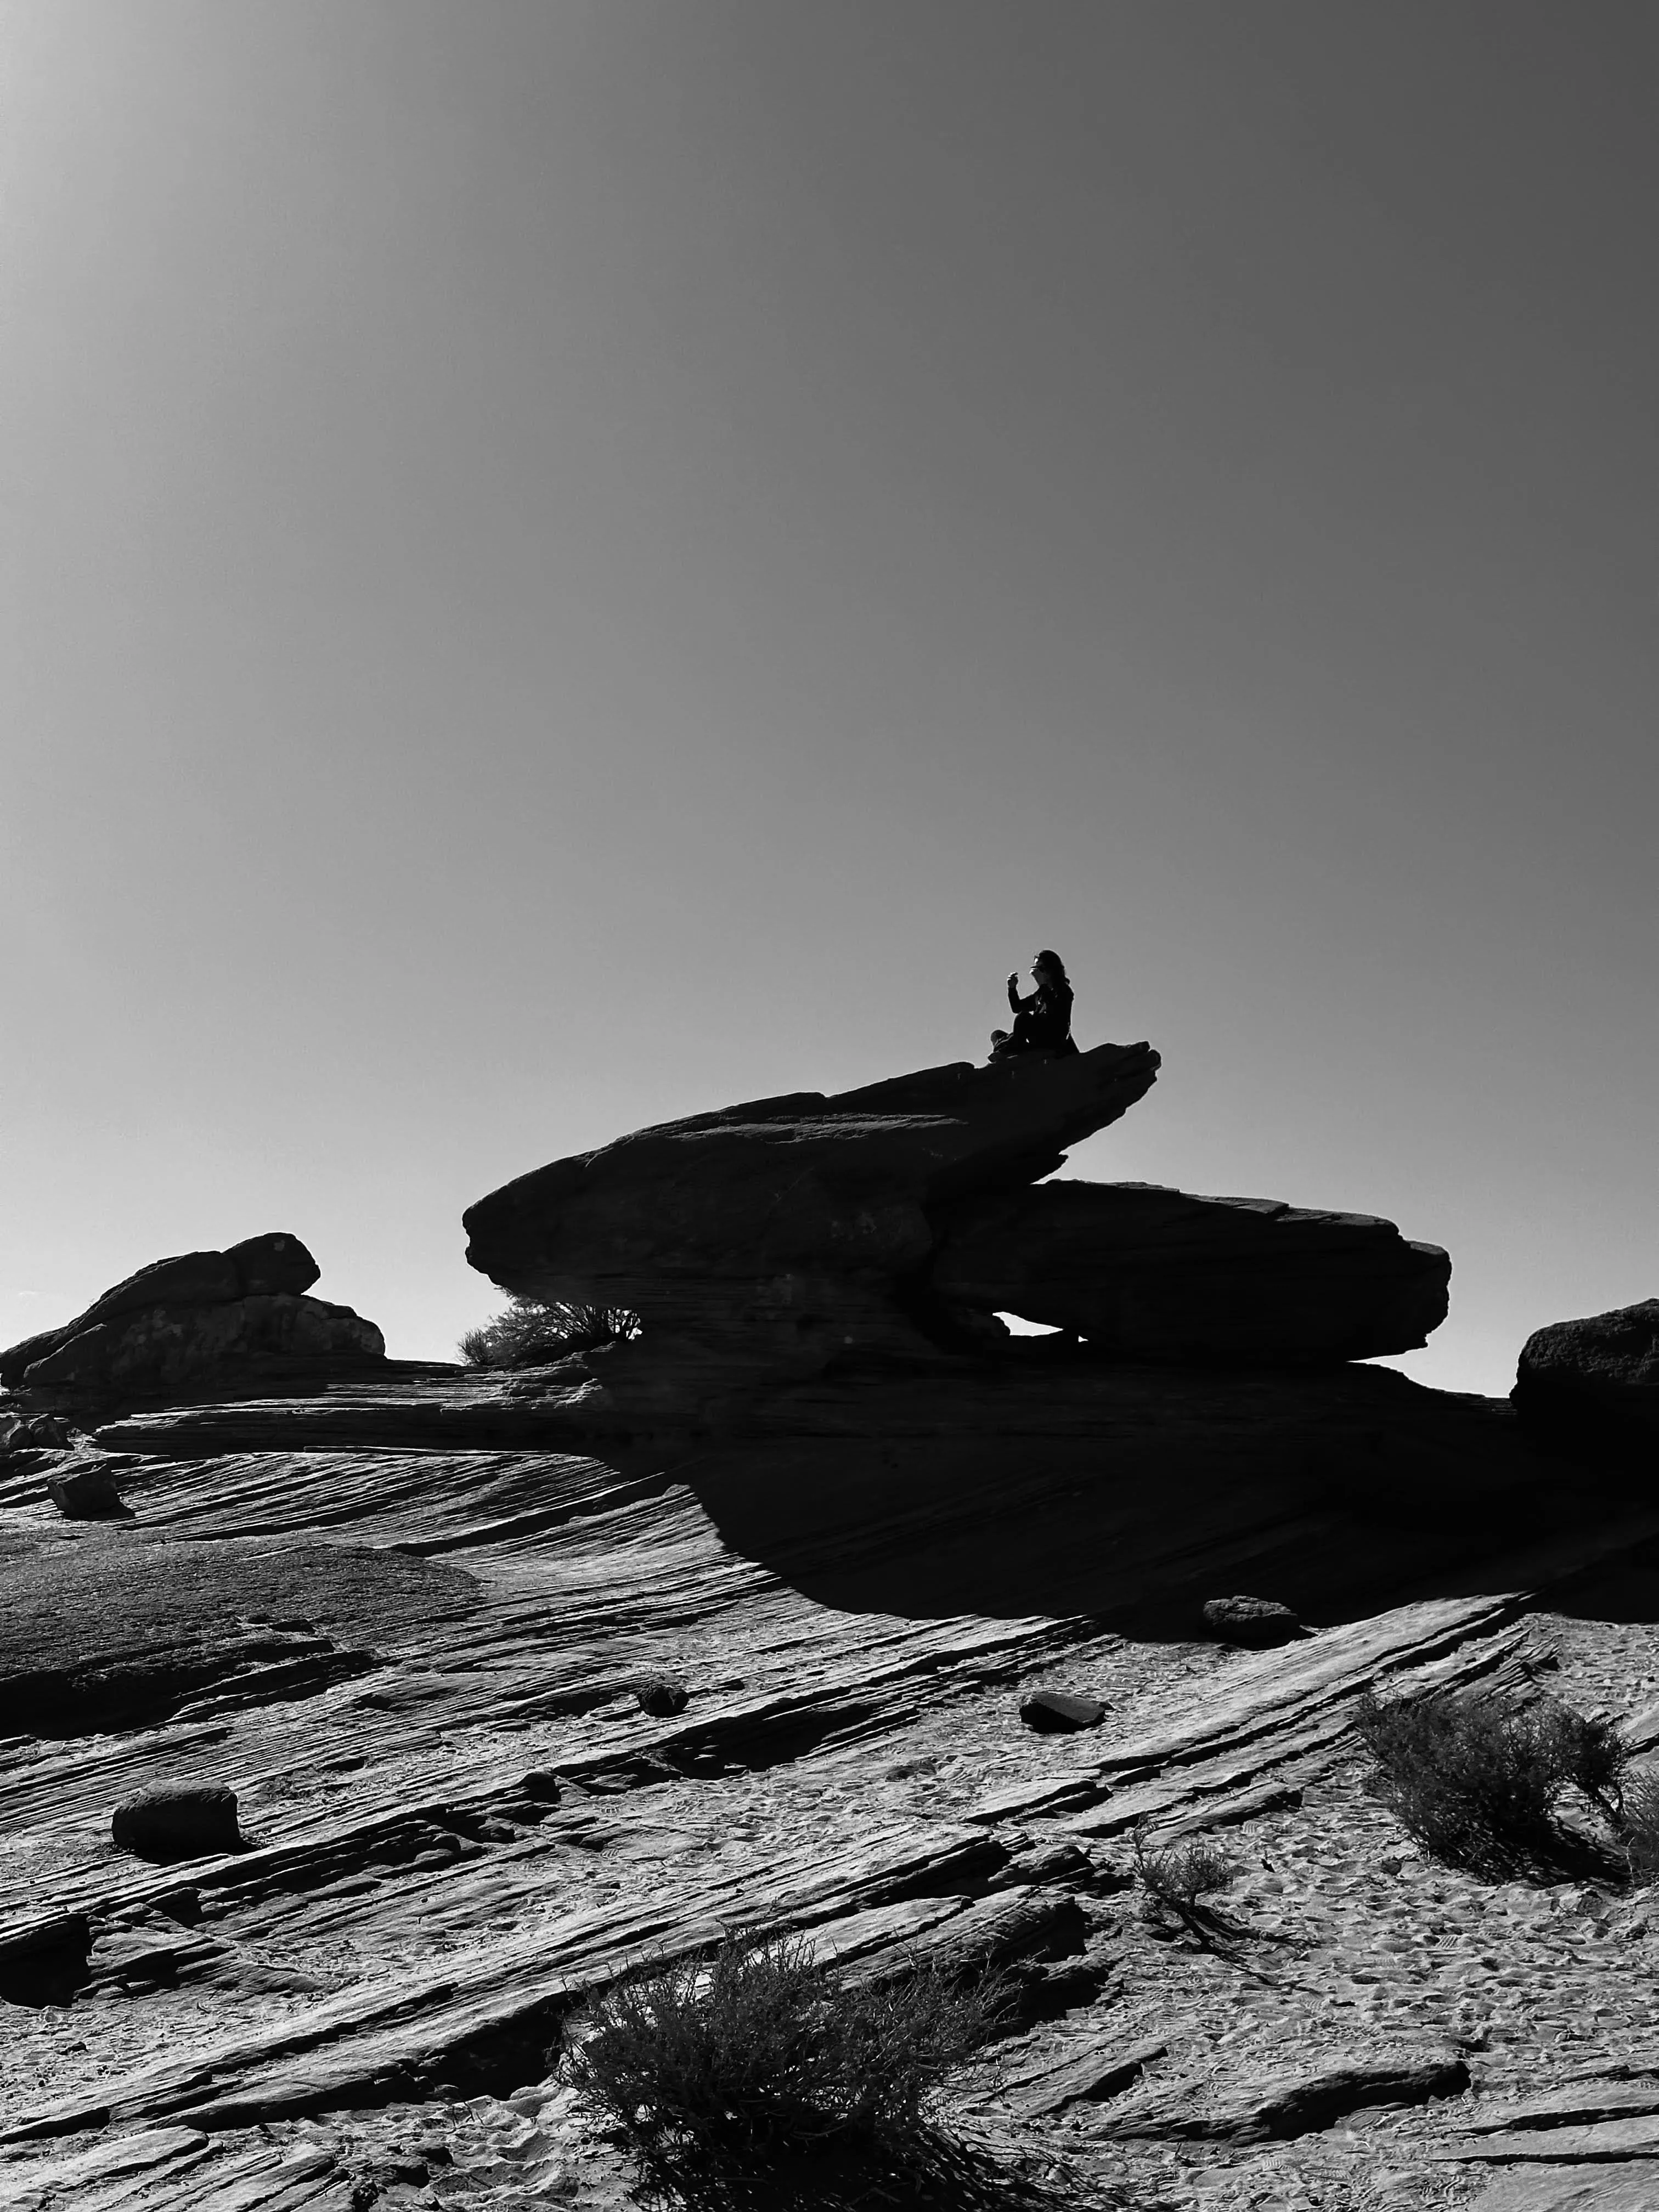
[(1150, 1274), (519, 1680)]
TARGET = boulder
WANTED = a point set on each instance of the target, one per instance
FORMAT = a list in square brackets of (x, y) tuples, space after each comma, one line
[(45, 1432), (271, 1266), (778, 1236), (1258, 1623), (1595, 1383), (177, 1819), (178, 1322), (86, 1491), (1150, 1273), (1059, 1712), (662, 1697)]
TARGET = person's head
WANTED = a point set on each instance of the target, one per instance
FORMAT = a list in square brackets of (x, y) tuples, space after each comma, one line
[(1046, 968)]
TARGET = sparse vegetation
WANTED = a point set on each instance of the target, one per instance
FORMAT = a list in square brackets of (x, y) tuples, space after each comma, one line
[(1481, 1784), (1179, 1876), (759, 2050), (532, 1333)]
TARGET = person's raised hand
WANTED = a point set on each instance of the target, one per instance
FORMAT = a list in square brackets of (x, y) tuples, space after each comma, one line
[(1014, 979)]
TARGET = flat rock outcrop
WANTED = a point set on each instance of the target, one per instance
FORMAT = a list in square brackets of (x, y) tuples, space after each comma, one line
[(781, 1234), (181, 1322), (1595, 1382), (408, 1623), (1150, 1274)]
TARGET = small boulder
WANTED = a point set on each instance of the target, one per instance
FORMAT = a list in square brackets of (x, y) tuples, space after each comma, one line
[(543, 1784), (86, 1493), (177, 1820), (662, 1697), (44, 1433), (1059, 1712), (271, 1266), (1257, 1623)]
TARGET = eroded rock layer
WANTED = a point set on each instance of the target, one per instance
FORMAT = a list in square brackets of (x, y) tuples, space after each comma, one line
[(199, 1317), (417, 1626), (779, 1235), (1152, 1273)]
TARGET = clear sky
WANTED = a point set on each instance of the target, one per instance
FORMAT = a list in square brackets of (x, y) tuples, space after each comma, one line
[(566, 564)]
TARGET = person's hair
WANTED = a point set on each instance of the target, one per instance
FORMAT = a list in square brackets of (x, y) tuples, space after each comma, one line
[(1053, 964)]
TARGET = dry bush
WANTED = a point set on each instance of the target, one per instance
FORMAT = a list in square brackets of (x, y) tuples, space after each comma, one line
[(1478, 1783), (532, 1334), (1180, 1876), (760, 2049)]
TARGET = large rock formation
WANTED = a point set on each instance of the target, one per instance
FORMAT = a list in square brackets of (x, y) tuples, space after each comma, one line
[(1595, 1383), (779, 1238), (182, 1322), (1150, 1273), (780, 1234)]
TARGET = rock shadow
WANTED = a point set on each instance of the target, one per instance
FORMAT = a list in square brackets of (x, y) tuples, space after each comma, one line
[(1132, 1495)]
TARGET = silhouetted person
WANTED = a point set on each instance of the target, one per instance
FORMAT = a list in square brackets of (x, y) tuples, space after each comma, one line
[(1043, 1022)]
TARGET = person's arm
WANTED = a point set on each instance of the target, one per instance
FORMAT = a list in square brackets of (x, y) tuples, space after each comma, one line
[(1016, 1003)]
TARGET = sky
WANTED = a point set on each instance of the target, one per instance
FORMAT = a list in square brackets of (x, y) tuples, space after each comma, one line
[(567, 564)]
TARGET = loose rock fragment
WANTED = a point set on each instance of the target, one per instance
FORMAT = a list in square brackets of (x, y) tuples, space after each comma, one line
[(662, 1697), (84, 1494), (177, 1819), (1058, 1712), (1257, 1623)]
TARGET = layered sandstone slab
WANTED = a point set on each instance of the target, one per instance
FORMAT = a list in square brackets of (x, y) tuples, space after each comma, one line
[(793, 1225), (1151, 1273)]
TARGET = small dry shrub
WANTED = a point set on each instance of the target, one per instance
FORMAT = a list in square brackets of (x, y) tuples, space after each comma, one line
[(1478, 1783), (532, 1333), (1180, 1876), (760, 2049)]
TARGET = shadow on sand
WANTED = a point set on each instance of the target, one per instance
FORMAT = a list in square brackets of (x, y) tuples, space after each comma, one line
[(935, 2170)]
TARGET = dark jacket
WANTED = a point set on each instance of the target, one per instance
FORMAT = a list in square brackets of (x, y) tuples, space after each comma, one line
[(1045, 1016)]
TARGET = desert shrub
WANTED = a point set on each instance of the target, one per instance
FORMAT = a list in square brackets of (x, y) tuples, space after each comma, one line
[(1179, 1876), (759, 2049), (1478, 1783), (532, 1333), (1639, 1826)]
